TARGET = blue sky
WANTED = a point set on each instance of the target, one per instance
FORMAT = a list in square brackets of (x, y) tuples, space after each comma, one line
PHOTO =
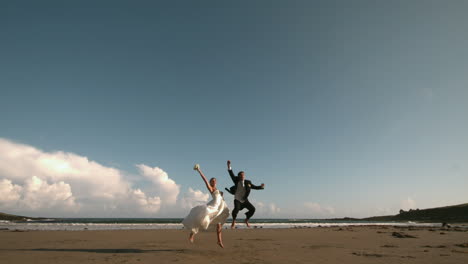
[(342, 108)]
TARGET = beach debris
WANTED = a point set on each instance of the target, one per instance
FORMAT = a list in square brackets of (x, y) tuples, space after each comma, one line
[(440, 246), (402, 235), (464, 245), (459, 251), (389, 246), (364, 254)]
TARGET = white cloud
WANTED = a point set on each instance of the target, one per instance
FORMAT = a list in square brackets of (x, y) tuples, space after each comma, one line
[(59, 183), (162, 183), (37, 194), (10, 192), (148, 204), (408, 203), (317, 210), (266, 209), (20, 162), (193, 198), (273, 209)]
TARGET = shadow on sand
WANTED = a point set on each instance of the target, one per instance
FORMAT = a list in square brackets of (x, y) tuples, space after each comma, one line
[(104, 250)]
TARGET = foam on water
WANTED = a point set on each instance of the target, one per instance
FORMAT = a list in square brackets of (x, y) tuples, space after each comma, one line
[(143, 226)]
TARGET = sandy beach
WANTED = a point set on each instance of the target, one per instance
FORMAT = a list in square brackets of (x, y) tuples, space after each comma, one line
[(367, 244)]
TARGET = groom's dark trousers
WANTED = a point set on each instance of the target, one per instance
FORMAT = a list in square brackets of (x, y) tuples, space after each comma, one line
[(239, 206)]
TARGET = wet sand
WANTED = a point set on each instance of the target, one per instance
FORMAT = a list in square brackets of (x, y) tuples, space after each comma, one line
[(367, 244)]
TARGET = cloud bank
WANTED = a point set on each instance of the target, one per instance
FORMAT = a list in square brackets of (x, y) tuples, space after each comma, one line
[(59, 183), (408, 203), (317, 210), (266, 209)]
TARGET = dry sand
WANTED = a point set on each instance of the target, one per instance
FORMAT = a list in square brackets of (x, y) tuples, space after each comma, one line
[(369, 244)]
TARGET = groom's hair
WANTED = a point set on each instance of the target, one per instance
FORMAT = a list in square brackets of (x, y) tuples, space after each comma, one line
[(240, 172)]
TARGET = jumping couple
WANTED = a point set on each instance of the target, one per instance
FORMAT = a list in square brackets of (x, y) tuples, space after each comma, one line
[(215, 212)]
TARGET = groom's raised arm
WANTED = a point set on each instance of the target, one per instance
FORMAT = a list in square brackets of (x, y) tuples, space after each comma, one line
[(231, 173), (255, 187)]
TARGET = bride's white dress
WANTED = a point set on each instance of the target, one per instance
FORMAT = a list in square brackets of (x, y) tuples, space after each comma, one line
[(201, 216)]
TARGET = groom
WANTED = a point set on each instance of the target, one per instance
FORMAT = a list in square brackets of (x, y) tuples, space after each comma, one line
[(241, 191)]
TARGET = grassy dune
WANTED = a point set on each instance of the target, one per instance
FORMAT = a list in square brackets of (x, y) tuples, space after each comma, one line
[(10, 217), (449, 214)]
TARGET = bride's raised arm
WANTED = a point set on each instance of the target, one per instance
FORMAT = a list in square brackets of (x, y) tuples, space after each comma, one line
[(210, 189)]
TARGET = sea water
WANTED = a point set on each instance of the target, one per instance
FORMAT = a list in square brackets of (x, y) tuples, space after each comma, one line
[(78, 224)]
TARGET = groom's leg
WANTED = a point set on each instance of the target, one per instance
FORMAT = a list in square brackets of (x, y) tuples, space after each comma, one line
[(250, 208), (237, 207)]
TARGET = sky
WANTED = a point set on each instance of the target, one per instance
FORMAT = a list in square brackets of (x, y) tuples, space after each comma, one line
[(341, 108)]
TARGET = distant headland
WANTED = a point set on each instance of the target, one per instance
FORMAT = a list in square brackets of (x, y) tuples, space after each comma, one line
[(446, 214), (10, 217)]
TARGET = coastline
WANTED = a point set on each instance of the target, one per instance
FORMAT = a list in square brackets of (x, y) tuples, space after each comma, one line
[(158, 224)]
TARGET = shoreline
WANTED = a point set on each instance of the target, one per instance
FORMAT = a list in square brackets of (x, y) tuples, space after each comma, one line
[(35, 226)]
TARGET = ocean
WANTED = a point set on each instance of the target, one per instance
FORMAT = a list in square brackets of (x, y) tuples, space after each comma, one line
[(79, 224)]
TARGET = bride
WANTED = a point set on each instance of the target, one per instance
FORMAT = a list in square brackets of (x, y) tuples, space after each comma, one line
[(214, 212)]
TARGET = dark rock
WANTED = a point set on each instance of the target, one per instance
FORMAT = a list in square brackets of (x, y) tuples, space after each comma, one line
[(367, 254), (402, 235)]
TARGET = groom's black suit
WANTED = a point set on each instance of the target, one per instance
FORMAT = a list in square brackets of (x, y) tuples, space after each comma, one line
[(238, 205)]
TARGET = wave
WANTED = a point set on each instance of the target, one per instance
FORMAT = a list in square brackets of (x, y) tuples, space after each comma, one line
[(79, 226)]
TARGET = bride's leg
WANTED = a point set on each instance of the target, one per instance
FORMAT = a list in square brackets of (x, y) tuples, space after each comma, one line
[(191, 237), (219, 228)]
